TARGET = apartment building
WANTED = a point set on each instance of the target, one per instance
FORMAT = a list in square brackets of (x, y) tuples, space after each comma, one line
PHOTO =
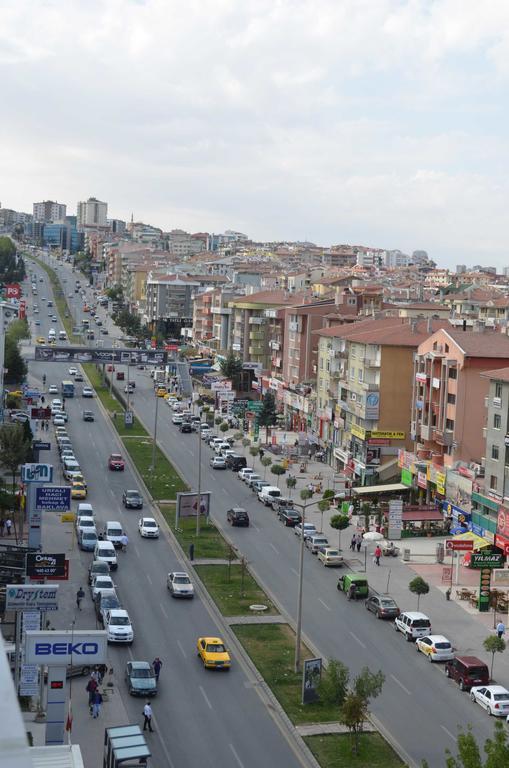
[(169, 303), (49, 211), (203, 322), (448, 392), (92, 213), (184, 245), (364, 392)]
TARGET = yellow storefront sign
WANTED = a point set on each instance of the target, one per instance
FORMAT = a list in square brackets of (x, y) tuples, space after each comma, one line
[(359, 432), (388, 434), (67, 517)]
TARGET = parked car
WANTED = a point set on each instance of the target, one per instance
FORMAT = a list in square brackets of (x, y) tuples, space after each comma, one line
[(218, 462), (96, 568), (355, 585), (186, 428), (494, 698), (104, 602), (244, 472), (268, 494), (87, 539), (179, 584), (253, 478), (237, 516), (383, 606), (132, 499), (100, 583), (118, 626), (279, 502), (290, 517), (435, 647), (257, 485), (330, 557), (236, 462), (309, 530), (140, 678), (467, 671), (412, 624), (316, 542)]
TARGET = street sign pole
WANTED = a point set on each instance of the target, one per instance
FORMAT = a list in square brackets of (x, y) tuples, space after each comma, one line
[(33, 517)]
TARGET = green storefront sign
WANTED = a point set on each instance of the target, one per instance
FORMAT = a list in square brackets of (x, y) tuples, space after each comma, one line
[(406, 477), (486, 560)]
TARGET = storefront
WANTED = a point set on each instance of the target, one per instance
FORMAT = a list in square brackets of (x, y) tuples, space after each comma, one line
[(502, 534)]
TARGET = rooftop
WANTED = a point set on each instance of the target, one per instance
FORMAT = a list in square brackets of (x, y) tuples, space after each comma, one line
[(485, 343), (389, 331)]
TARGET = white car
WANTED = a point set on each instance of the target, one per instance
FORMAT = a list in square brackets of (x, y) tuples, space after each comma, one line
[(62, 414), (179, 584), (330, 557), (253, 477), (100, 583), (494, 698), (73, 371), (52, 389), (218, 462), (58, 420), (309, 530), (177, 418), (148, 528), (56, 404), (88, 392), (85, 521), (118, 626), (244, 472), (435, 647)]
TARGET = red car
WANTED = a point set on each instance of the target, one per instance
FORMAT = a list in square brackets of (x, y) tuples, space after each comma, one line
[(116, 462)]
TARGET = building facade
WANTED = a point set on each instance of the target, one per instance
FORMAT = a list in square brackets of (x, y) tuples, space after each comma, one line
[(49, 211), (92, 213)]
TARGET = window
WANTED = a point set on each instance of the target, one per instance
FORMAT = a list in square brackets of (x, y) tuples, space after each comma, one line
[(494, 452), (449, 424), (498, 389), (447, 347), (493, 482), (497, 421), (453, 373), (352, 374), (361, 374), (451, 399)]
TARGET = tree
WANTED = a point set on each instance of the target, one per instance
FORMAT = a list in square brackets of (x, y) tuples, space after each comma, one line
[(328, 494), (15, 449), (115, 293), (469, 753), (419, 587), (339, 522), (323, 506), (333, 686), (267, 415), (238, 435), (18, 330), (245, 442), (254, 451), (306, 494), (278, 469), (354, 710), (14, 363), (266, 462), (224, 427), (231, 368), (291, 482), (494, 644)]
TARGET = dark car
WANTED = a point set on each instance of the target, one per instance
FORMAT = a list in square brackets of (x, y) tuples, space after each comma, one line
[(238, 516), (279, 502), (140, 678), (290, 517), (105, 601), (88, 416), (467, 671), (383, 606), (186, 427), (98, 567), (236, 462), (132, 500)]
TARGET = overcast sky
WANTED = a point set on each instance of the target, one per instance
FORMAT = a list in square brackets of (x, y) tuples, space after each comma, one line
[(376, 122)]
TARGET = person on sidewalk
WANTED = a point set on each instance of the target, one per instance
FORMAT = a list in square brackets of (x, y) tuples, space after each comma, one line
[(500, 629), (80, 594), (102, 669), (2, 526), (157, 664), (147, 714), (378, 554), (353, 542), (91, 689), (8, 526), (358, 542), (97, 701)]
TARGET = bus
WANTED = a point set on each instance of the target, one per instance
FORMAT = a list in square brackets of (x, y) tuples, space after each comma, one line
[(68, 389)]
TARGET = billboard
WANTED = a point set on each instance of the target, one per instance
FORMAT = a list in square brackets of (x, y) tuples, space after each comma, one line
[(311, 676), (187, 504), (23, 597), (101, 355), (459, 490), (12, 290), (40, 566), (58, 649), (53, 497), (37, 473)]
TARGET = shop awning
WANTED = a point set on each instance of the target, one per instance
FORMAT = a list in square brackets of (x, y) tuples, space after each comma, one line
[(371, 490), (388, 469), (479, 542), (422, 516)]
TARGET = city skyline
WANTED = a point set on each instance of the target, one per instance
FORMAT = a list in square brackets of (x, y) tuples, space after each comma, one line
[(377, 123)]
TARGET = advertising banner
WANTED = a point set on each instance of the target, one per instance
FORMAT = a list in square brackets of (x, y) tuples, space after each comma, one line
[(37, 473), (101, 355), (187, 504), (311, 676), (22, 597), (459, 490), (53, 497), (58, 649), (40, 566)]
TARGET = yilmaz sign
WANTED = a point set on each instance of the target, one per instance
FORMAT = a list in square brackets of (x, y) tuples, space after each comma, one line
[(58, 649)]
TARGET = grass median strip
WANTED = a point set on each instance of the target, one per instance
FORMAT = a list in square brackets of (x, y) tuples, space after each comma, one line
[(233, 589), (163, 482), (209, 543), (112, 405), (332, 750), (60, 302), (272, 648)]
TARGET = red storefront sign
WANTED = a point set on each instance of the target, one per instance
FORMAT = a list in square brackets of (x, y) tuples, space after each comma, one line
[(503, 522), (12, 290), (378, 441), (22, 310), (502, 543), (459, 546)]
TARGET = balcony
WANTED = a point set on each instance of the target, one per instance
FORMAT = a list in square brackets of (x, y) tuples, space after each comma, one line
[(371, 362), (445, 438), (256, 335), (497, 402), (425, 431)]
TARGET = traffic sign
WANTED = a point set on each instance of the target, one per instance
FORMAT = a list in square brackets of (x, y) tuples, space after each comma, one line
[(459, 546), (31, 394), (56, 497), (38, 445), (36, 473)]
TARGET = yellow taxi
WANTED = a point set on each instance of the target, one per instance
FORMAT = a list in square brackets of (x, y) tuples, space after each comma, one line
[(16, 393), (78, 478), (40, 340), (212, 651), (161, 391), (78, 491)]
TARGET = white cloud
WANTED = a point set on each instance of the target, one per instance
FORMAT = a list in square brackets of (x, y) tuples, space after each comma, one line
[(376, 121)]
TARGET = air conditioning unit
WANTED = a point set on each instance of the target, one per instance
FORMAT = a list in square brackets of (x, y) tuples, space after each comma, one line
[(353, 396)]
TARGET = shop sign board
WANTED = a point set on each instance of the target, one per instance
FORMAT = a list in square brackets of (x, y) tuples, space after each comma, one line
[(486, 560)]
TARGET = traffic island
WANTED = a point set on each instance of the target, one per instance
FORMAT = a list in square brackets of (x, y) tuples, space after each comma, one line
[(162, 480), (233, 589), (334, 749), (209, 544)]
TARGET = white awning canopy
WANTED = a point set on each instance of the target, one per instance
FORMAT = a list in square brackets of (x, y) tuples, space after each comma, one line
[(370, 490)]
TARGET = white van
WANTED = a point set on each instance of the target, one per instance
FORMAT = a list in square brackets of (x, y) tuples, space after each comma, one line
[(62, 336), (84, 510), (70, 467), (105, 551), (52, 334), (268, 493), (113, 532)]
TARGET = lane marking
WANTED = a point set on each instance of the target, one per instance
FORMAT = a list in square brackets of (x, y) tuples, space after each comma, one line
[(448, 732), (357, 640), (181, 648), (235, 755), (205, 697), (274, 548), (325, 605), (255, 527), (294, 571), (163, 611), (148, 578), (135, 549), (403, 688)]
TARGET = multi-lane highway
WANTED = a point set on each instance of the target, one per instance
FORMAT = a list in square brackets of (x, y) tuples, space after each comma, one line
[(419, 706), (202, 718)]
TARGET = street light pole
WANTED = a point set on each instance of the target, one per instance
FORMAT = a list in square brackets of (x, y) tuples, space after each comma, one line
[(198, 507), (153, 466), (299, 599)]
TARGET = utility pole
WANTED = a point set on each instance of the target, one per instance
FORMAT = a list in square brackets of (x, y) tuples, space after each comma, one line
[(153, 465), (8, 312), (298, 632), (198, 507)]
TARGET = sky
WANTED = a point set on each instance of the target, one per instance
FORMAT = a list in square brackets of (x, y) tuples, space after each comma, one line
[(374, 122)]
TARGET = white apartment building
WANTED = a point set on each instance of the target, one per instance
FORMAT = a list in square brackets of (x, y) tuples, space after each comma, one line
[(49, 211), (92, 213)]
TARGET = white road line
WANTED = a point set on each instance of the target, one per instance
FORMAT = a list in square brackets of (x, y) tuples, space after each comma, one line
[(205, 697), (357, 640), (325, 605), (135, 550), (163, 611), (275, 550), (294, 571), (148, 578), (403, 688), (255, 527), (181, 648), (448, 732), (235, 755)]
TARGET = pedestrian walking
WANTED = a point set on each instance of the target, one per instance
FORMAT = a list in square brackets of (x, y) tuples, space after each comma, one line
[(147, 714), (353, 542), (97, 701), (91, 689), (124, 541), (311, 488), (2, 526), (500, 629), (378, 554), (157, 664), (8, 525), (96, 675), (358, 542), (102, 669), (80, 594)]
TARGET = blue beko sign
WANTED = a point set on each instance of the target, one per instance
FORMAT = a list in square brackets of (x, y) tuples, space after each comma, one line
[(59, 648), (53, 497)]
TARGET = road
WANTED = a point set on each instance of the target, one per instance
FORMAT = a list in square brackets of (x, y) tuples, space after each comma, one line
[(419, 706), (201, 718)]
